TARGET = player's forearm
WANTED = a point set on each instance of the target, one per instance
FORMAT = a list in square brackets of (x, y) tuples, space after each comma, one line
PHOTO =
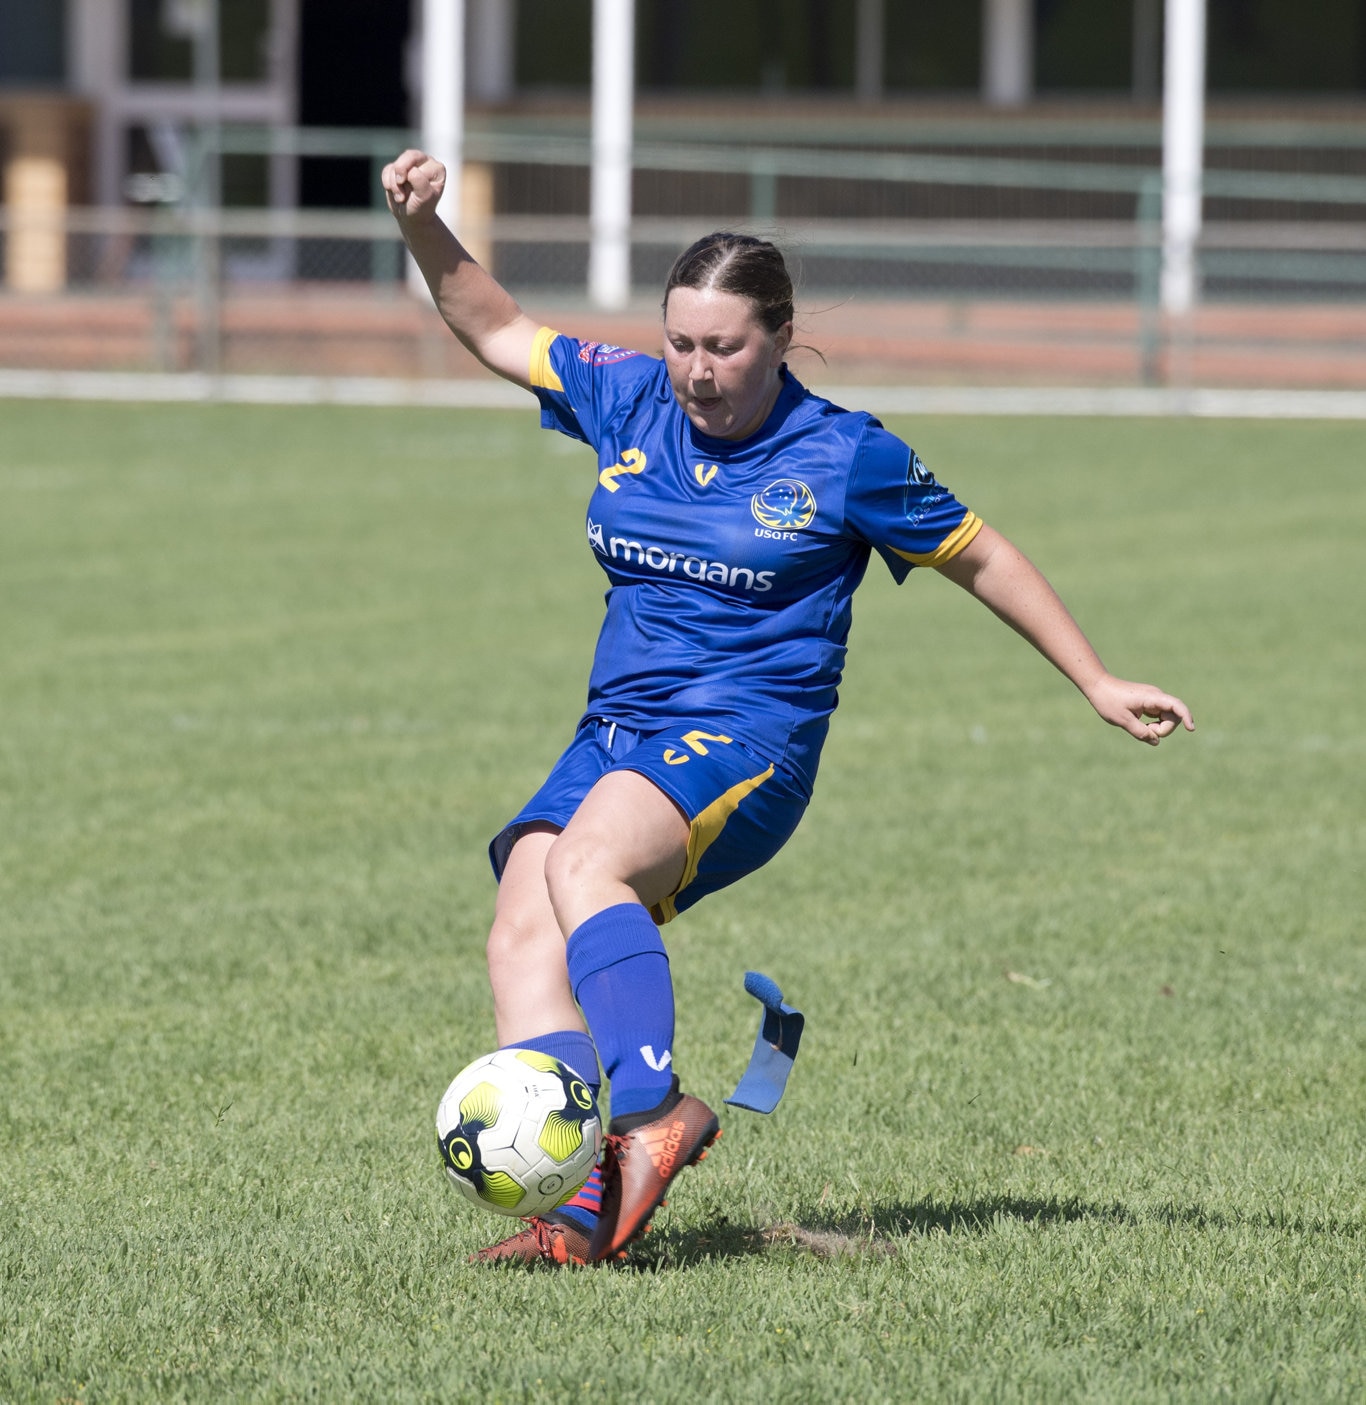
[(1003, 578), (478, 309)]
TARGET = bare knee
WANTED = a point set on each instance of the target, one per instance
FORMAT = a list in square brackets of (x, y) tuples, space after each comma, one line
[(519, 942), (568, 863)]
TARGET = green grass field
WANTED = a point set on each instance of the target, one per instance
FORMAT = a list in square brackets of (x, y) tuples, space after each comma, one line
[(1079, 1114)]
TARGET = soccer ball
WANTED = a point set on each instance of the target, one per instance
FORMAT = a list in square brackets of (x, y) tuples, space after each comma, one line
[(518, 1131)]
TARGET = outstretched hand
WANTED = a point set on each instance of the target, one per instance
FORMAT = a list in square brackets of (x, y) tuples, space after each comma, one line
[(1129, 705), (413, 184)]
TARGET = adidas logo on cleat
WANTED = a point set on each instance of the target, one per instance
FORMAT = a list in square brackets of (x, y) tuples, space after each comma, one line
[(666, 1156)]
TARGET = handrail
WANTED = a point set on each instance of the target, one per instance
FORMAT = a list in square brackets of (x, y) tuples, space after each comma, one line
[(856, 236), (760, 162), (968, 129)]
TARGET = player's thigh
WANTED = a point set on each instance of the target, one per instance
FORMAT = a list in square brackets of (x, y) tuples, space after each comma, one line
[(741, 808), (573, 775), (626, 831)]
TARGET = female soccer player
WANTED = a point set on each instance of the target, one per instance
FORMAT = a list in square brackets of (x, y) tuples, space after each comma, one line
[(734, 514)]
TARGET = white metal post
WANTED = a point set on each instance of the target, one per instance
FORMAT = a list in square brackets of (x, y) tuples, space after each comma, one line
[(283, 66), (1007, 52), (490, 63), (97, 44), (199, 20), (870, 50), (609, 254), (1183, 136), (443, 105)]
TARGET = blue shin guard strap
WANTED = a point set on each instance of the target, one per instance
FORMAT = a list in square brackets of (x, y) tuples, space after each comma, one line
[(780, 1033)]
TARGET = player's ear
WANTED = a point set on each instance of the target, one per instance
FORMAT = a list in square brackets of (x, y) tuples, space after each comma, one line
[(782, 339)]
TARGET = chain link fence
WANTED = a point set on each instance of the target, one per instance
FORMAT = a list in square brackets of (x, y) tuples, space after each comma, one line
[(1044, 210)]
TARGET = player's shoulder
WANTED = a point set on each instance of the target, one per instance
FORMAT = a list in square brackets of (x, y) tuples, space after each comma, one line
[(585, 387), (818, 416)]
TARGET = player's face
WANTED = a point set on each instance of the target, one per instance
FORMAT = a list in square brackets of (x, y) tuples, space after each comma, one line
[(723, 364)]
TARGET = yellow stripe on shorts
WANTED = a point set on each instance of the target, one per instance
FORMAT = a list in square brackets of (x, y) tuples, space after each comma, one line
[(706, 830)]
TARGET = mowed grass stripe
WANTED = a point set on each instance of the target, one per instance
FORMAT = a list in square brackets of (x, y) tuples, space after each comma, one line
[(1079, 1105)]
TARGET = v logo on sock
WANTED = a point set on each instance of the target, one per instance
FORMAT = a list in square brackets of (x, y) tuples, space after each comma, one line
[(647, 1052)]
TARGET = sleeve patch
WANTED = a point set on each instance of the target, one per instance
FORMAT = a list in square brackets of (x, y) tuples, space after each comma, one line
[(596, 353)]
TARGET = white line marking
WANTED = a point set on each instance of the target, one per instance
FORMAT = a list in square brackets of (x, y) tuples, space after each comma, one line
[(1142, 402)]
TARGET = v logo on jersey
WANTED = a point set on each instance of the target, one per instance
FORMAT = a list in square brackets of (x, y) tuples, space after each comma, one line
[(704, 473), (647, 1052)]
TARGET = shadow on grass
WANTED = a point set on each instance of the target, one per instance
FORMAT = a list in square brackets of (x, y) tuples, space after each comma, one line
[(873, 1231), (882, 1230)]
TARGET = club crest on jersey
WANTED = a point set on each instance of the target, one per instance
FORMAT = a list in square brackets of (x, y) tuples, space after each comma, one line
[(785, 506)]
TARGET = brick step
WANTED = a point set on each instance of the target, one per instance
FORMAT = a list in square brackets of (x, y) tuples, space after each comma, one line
[(340, 331)]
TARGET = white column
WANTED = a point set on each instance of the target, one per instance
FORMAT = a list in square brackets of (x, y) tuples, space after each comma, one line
[(97, 45), (443, 104), (609, 255), (283, 69), (1183, 135), (1007, 52), (491, 62), (870, 50)]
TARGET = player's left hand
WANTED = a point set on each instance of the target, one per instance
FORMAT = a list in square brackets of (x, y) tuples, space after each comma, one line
[(1130, 705)]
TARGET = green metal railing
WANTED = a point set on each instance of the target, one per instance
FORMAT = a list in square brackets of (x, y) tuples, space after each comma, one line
[(1117, 159)]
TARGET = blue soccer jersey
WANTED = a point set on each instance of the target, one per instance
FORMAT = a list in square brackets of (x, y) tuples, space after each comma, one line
[(732, 563)]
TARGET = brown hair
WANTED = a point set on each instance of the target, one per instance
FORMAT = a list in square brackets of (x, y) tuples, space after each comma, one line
[(741, 264)]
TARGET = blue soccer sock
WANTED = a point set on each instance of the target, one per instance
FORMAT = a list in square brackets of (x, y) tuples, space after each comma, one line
[(585, 1205), (575, 1048), (619, 972)]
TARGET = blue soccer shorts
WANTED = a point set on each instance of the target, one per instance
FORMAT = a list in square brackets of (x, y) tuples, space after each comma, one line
[(741, 807)]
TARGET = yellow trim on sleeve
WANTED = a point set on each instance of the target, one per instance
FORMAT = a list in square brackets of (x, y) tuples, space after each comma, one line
[(952, 544), (543, 375), (706, 830)]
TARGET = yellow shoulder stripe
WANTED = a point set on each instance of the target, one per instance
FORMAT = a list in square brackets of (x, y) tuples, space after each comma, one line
[(952, 544), (543, 375)]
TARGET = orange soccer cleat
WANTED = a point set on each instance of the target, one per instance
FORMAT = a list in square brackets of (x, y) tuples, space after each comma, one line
[(640, 1158), (551, 1239)]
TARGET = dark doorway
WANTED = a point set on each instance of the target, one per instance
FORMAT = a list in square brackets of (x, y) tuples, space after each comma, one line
[(351, 75)]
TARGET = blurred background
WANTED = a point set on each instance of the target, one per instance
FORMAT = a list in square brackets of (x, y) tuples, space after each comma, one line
[(971, 191)]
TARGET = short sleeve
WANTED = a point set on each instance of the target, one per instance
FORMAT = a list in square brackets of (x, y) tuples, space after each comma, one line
[(584, 385), (898, 507)]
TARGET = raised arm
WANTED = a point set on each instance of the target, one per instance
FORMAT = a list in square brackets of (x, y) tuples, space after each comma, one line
[(478, 309), (1004, 579)]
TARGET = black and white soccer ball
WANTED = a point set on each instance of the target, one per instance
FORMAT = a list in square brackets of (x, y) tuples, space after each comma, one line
[(519, 1132)]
